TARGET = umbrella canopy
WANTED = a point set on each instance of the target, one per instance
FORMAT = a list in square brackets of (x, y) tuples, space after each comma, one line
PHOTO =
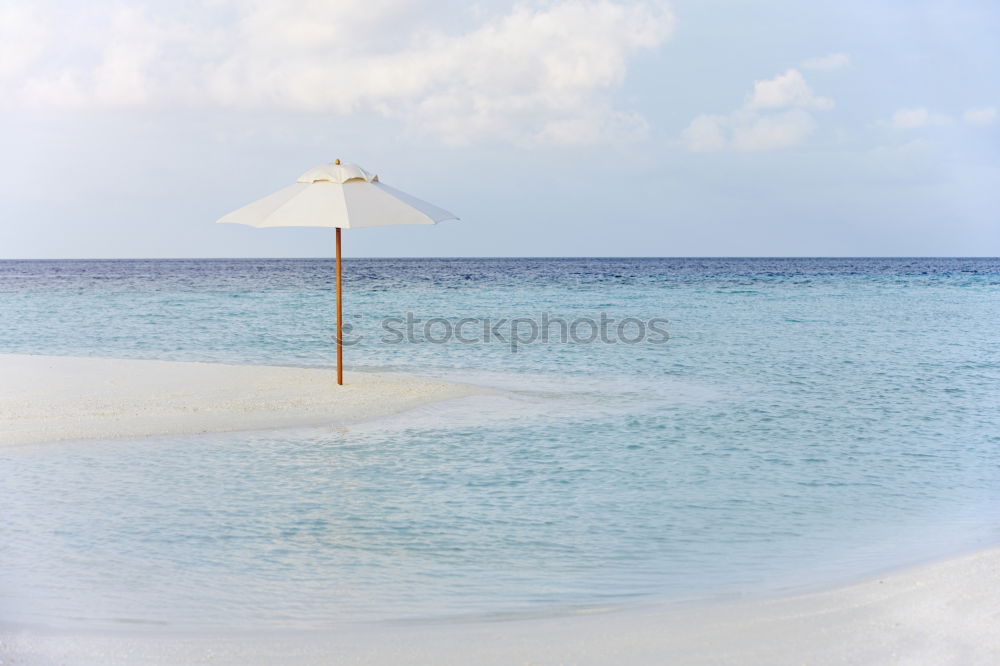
[(337, 195), (343, 196)]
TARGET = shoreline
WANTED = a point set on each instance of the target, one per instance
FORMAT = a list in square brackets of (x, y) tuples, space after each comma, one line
[(940, 612), (60, 398)]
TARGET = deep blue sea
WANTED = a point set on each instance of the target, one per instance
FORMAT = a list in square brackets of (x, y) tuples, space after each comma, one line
[(803, 422)]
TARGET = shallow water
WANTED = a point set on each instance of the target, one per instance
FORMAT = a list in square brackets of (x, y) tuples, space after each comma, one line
[(808, 421)]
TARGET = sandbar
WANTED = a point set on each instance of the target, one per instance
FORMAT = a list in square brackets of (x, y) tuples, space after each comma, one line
[(52, 398)]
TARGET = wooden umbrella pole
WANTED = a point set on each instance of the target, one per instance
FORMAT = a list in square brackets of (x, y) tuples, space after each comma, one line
[(340, 321)]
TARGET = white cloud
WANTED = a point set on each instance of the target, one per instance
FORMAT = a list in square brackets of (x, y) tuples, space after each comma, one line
[(530, 73), (772, 117), (707, 133), (22, 39), (788, 89), (827, 63), (915, 118), (981, 116), (748, 131)]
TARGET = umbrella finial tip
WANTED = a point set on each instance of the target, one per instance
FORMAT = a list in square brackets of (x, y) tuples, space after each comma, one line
[(337, 161)]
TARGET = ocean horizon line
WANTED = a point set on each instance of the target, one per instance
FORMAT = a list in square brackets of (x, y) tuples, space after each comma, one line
[(511, 257)]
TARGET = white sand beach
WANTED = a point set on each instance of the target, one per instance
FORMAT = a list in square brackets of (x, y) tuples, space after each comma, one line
[(50, 398), (941, 613)]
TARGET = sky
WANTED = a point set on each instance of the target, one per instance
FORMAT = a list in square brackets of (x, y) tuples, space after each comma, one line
[(556, 128)]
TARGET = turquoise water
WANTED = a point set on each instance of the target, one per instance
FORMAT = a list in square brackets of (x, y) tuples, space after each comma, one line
[(807, 422)]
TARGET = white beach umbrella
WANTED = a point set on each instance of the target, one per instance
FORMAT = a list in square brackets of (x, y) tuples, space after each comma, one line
[(343, 196)]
